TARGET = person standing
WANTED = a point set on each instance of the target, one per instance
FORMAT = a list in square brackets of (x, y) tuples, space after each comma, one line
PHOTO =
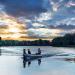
[(39, 51), (24, 54), (29, 52), (24, 51)]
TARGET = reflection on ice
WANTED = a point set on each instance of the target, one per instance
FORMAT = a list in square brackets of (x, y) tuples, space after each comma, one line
[(28, 63)]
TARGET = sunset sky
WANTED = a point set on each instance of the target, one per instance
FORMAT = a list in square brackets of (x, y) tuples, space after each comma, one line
[(34, 19)]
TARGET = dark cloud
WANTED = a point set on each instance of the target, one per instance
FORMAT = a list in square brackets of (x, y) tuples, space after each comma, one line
[(22, 7)]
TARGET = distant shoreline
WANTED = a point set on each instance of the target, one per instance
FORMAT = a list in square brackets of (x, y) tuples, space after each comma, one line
[(39, 42), (38, 45), (67, 40)]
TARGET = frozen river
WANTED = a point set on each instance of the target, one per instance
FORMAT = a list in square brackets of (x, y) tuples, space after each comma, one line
[(11, 62)]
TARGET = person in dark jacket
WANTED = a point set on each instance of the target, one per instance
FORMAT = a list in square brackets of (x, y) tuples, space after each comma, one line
[(39, 51), (24, 54), (24, 51), (29, 52)]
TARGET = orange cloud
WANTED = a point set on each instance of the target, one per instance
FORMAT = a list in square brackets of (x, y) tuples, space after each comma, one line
[(10, 28)]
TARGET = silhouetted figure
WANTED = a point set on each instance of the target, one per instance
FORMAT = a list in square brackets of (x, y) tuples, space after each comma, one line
[(24, 54), (39, 51), (29, 52), (24, 51)]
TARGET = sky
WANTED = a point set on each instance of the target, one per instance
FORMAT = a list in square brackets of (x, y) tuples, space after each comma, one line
[(34, 19)]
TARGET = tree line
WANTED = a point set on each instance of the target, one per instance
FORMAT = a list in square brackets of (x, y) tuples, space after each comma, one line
[(66, 40), (39, 42)]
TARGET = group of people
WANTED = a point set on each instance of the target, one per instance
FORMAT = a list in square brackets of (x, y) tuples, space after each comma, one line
[(29, 52)]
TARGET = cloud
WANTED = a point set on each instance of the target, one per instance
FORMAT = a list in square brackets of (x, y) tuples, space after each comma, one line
[(38, 25), (57, 11), (43, 32), (71, 3), (69, 31), (44, 10), (44, 16), (34, 18), (24, 7), (68, 21)]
